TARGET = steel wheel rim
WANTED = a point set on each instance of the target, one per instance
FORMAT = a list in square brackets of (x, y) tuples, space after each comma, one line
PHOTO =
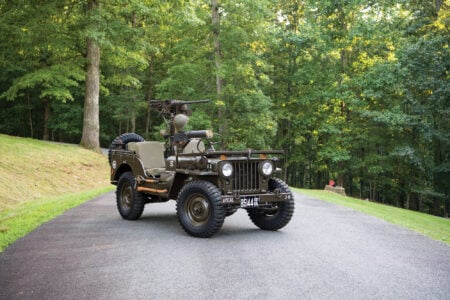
[(126, 197), (198, 210), (273, 211)]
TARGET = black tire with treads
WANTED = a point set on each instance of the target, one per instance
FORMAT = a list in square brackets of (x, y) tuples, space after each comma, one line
[(121, 141), (130, 203), (199, 209), (280, 215)]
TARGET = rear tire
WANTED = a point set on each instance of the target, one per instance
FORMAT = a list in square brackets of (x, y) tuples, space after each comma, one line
[(130, 202), (199, 209), (280, 215), (121, 141)]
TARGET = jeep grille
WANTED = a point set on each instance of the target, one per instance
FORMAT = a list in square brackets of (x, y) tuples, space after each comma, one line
[(246, 176)]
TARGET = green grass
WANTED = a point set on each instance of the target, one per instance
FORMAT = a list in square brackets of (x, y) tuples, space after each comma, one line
[(435, 227), (16, 223), (40, 180), (33, 169)]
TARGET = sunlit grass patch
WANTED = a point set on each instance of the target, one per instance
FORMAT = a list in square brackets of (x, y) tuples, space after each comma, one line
[(17, 222), (40, 180), (435, 227)]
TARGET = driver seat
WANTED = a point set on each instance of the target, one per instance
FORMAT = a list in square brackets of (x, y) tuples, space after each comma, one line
[(151, 154)]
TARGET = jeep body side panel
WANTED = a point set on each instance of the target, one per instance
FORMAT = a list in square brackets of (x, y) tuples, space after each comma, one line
[(158, 188), (123, 159)]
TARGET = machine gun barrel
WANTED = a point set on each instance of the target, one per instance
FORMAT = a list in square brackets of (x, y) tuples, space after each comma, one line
[(172, 107), (188, 102), (199, 134), (159, 103)]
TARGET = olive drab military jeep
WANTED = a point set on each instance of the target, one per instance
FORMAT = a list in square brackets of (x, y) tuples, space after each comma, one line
[(207, 184)]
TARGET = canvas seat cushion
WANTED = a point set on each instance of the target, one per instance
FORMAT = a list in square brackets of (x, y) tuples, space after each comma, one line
[(151, 154)]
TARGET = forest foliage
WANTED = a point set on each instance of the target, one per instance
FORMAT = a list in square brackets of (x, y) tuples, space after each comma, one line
[(355, 91)]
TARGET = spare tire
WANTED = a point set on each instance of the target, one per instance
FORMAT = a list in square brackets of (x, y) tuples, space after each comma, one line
[(121, 142)]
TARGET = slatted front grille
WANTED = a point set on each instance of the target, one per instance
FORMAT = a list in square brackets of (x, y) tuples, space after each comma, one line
[(246, 176)]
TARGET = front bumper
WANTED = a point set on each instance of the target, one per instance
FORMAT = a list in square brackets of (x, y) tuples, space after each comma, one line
[(255, 200)]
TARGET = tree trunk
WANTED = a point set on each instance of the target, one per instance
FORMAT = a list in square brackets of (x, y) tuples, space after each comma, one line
[(148, 120), (30, 116), (437, 6), (47, 113), (408, 199), (287, 145), (218, 61), (149, 97), (132, 105), (91, 125), (446, 205), (133, 117)]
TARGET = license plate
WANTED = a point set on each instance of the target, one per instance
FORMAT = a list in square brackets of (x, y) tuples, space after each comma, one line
[(287, 197), (227, 199), (250, 201)]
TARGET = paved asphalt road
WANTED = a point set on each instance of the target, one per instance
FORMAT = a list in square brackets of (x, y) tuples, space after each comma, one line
[(326, 252)]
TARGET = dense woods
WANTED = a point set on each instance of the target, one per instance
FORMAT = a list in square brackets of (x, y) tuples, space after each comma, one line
[(355, 91)]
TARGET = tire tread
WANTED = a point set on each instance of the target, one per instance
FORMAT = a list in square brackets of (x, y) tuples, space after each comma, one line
[(138, 205), (218, 214), (282, 219)]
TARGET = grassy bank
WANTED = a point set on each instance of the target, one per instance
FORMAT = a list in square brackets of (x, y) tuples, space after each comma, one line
[(434, 227), (40, 180), (17, 222)]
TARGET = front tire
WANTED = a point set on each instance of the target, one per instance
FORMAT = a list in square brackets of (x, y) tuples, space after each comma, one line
[(281, 213), (199, 209), (130, 202)]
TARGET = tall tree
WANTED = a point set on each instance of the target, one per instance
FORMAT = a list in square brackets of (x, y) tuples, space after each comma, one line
[(39, 57), (91, 124), (353, 90), (215, 18)]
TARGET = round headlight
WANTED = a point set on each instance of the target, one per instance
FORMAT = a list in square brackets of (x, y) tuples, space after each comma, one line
[(267, 168), (227, 170)]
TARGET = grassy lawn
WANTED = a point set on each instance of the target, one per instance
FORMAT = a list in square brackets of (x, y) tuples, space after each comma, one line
[(40, 180), (434, 227), (17, 222)]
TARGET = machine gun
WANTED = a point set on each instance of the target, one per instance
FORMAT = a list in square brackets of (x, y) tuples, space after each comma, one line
[(176, 115), (170, 108)]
